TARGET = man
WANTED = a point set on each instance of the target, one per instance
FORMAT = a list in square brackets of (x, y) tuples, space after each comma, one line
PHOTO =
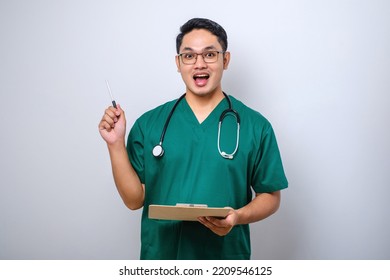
[(201, 163)]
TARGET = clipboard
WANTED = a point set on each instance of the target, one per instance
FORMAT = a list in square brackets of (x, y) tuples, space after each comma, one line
[(186, 212)]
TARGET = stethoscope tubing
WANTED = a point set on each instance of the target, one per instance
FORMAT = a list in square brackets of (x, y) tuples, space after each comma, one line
[(158, 150)]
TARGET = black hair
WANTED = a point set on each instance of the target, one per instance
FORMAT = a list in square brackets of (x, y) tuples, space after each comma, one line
[(202, 23)]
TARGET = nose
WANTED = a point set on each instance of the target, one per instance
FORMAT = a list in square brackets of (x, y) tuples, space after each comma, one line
[(200, 63)]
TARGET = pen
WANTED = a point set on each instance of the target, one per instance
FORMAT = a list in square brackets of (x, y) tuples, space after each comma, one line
[(109, 91)]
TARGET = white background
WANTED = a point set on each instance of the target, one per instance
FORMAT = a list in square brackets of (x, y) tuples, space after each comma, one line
[(318, 70)]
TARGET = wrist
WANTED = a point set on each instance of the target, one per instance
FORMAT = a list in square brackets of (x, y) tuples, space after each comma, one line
[(116, 146), (240, 216)]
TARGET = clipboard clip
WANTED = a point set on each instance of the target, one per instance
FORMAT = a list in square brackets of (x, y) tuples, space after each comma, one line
[(191, 205)]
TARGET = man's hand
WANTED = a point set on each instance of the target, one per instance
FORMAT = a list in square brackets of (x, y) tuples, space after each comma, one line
[(112, 126), (220, 227)]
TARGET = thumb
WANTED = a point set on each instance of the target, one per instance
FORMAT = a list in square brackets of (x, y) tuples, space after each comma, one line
[(120, 114), (119, 110)]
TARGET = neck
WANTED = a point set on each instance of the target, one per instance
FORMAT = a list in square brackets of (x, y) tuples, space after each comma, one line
[(203, 105)]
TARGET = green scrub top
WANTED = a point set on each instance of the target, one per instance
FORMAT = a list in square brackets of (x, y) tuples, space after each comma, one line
[(193, 171)]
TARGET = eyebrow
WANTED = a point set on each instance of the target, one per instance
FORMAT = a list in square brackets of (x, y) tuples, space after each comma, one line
[(205, 49)]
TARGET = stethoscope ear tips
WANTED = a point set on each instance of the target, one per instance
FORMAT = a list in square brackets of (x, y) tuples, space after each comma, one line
[(158, 151)]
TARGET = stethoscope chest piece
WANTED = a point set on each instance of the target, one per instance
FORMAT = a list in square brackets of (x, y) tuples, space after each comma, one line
[(158, 151)]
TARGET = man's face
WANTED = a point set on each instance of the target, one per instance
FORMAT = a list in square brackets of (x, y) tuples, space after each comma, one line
[(202, 78)]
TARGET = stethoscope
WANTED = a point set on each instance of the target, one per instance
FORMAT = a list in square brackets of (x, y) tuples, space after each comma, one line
[(158, 150)]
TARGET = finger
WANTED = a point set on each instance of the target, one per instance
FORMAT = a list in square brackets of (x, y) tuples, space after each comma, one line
[(108, 119), (119, 115), (206, 222), (111, 112), (105, 126), (218, 223), (119, 111)]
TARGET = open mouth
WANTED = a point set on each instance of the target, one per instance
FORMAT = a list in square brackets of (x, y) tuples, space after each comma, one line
[(201, 79)]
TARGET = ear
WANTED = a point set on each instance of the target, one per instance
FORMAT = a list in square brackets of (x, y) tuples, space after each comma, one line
[(226, 60), (177, 59)]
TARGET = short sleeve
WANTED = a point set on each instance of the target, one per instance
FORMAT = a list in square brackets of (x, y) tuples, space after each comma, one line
[(135, 150), (268, 174)]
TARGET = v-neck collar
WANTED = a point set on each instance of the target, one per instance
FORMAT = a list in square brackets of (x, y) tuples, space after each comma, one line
[(211, 119)]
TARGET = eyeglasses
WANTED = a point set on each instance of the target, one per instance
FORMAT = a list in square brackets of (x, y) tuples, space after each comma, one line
[(208, 57)]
